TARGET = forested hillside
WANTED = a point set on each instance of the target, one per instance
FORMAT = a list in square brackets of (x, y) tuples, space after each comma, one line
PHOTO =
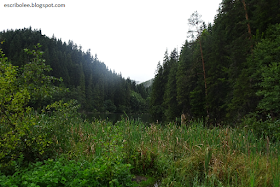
[(89, 80), (225, 70)]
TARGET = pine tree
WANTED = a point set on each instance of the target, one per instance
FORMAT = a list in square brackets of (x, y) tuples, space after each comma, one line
[(172, 109), (197, 24), (265, 68), (184, 78), (156, 108), (217, 77)]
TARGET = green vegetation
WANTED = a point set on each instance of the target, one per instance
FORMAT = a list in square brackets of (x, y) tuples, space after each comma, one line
[(102, 155), (227, 75), (89, 80), (225, 70), (64, 172), (55, 147), (36, 146), (21, 135)]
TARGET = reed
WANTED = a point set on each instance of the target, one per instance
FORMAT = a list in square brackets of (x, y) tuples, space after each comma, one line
[(182, 156)]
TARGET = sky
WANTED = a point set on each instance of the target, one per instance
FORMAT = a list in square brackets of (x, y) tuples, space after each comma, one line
[(129, 36)]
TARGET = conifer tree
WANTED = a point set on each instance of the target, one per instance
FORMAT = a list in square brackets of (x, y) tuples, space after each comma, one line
[(197, 24), (184, 78), (172, 109), (157, 95), (80, 71)]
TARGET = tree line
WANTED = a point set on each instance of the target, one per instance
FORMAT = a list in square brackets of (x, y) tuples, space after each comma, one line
[(225, 70), (89, 81)]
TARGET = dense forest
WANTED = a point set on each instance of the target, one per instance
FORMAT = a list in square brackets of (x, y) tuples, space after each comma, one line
[(225, 81), (90, 82), (225, 70)]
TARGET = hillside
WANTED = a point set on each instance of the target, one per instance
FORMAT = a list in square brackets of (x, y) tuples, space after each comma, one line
[(225, 70), (90, 81), (147, 83)]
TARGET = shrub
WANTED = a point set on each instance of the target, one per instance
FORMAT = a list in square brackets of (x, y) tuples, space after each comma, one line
[(21, 133), (71, 173), (263, 128)]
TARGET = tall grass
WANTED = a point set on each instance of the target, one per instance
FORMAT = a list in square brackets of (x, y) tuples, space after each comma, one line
[(191, 155), (183, 156)]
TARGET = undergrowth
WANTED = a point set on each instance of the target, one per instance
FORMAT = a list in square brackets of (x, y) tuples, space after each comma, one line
[(103, 154)]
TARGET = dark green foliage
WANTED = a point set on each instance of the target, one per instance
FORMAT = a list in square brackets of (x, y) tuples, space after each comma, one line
[(263, 128), (241, 58), (217, 78), (109, 106), (172, 109), (137, 103), (265, 13), (89, 80), (184, 77), (156, 108), (265, 68)]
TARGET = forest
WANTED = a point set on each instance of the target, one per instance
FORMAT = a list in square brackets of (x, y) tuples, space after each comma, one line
[(89, 81), (226, 70), (224, 81)]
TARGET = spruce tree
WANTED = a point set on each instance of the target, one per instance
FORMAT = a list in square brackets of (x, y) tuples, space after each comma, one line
[(156, 108), (172, 109)]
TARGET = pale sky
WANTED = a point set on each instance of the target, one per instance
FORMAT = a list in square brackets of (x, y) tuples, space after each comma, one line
[(129, 36)]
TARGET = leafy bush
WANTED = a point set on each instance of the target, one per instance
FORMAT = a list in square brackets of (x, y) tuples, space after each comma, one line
[(71, 173), (22, 131), (109, 106), (263, 128), (137, 103)]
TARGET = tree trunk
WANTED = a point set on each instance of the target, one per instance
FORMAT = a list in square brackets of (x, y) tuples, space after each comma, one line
[(204, 74), (247, 19)]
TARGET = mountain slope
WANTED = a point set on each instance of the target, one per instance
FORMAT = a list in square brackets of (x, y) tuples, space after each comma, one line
[(90, 81)]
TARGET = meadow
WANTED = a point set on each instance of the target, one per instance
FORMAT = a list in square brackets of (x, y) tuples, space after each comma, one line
[(102, 154), (51, 145)]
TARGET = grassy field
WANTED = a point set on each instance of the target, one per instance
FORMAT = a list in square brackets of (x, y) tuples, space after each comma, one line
[(103, 154), (194, 156)]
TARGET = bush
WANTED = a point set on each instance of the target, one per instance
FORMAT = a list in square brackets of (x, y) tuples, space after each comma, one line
[(71, 173), (109, 106), (263, 128), (22, 132)]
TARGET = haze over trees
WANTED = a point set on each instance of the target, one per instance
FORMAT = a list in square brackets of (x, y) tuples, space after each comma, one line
[(90, 82), (227, 70), (227, 74)]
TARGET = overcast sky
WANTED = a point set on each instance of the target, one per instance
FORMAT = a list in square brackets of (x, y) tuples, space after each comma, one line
[(129, 36)]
